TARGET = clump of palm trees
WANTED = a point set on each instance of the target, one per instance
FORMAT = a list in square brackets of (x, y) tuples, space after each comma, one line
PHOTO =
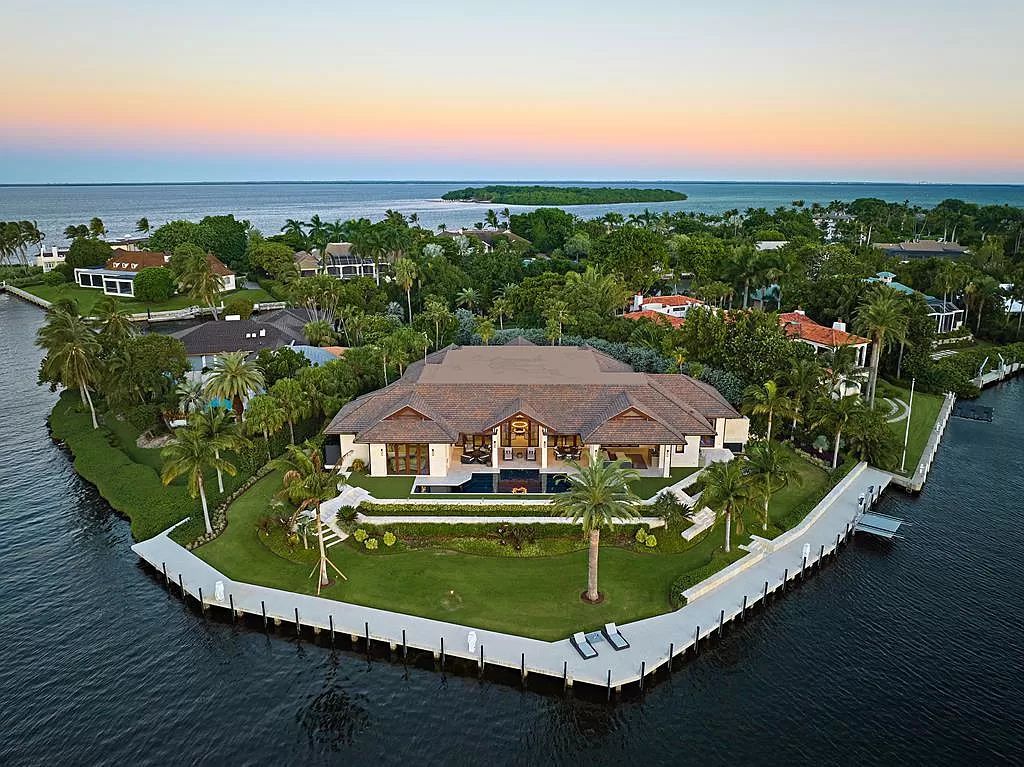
[(16, 237)]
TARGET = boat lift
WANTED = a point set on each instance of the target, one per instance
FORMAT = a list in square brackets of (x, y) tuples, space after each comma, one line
[(880, 525)]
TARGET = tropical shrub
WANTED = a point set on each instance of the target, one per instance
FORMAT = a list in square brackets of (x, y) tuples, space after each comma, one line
[(154, 284), (371, 544), (650, 541), (389, 539), (358, 466), (641, 535), (360, 535)]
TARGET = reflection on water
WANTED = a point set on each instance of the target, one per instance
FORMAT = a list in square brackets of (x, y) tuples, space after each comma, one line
[(896, 653)]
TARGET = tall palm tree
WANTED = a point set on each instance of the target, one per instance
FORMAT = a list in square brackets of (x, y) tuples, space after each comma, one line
[(223, 432), (191, 453), (112, 321), (801, 382), (233, 379), (406, 274), (96, 228), (501, 308), (200, 282), (771, 468), (726, 490), (835, 413), (882, 317), (295, 227), (306, 483), (293, 402), (318, 333), (72, 355), (142, 225), (599, 496), (484, 327), (264, 416), (767, 400), (190, 395)]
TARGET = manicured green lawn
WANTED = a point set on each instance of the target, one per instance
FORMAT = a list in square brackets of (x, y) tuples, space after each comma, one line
[(86, 298), (648, 487), (383, 487), (922, 420), (533, 595), (792, 502)]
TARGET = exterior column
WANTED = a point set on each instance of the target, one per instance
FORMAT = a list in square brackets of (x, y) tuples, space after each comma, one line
[(595, 451), (543, 447), (666, 460), (496, 447)]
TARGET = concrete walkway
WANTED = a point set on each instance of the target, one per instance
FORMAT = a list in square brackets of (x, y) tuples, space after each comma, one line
[(711, 603)]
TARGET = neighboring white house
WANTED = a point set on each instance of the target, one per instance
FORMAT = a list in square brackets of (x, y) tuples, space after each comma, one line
[(48, 259), (799, 327), (117, 276), (948, 317), (675, 306)]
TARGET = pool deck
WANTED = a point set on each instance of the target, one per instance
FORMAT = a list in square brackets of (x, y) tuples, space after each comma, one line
[(712, 604)]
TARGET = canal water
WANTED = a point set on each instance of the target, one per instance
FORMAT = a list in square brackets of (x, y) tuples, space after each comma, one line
[(906, 653)]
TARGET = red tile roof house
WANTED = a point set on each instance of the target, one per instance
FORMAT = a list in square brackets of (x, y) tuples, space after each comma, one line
[(799, 327), (117, 276), (670, 308), (503, 418)]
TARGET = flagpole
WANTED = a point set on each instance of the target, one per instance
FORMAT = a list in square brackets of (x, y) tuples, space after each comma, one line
[(906, 435)]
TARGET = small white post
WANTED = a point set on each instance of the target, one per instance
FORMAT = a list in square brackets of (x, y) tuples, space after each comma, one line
[(906, 434)]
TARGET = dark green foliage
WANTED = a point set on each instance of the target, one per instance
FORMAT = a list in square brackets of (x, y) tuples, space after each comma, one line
[(637, 254), (85, 252), (558, 195), (154, 284), (546, 228)]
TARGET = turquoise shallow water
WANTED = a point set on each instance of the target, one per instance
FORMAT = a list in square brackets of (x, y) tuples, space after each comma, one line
[(267, 206), (904, 653)]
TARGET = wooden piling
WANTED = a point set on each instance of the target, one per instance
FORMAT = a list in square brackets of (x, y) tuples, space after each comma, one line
[(643, 673), (764, 599), (263, 609), (298, 626), (743, 611), (167, 581), (522, 667), (442, 655), (330, 621), (671, 655), (565, 675), (202, 604), (696, 641), (231, 601), (481, 660), (721, 623), (181, 585), (785, 579), (366, 631), (821, 555), (405, 648), (609, 684)]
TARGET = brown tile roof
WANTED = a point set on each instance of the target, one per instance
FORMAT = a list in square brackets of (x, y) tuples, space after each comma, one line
[(572, 390), (135, 260), (800, 326), (218, 266), (676, 300)]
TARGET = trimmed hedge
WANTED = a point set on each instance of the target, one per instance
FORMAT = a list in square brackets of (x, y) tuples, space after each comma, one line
[(691, 578), (451, 510)]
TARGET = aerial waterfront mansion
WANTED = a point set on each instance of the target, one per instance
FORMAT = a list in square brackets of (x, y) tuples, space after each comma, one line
[(511, 418)]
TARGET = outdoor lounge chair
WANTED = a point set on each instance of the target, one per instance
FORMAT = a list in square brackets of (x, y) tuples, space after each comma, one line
[(582, 644), (614, 637)]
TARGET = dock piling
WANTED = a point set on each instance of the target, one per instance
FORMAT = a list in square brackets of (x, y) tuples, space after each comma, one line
[(330, 621), (785, 579), (565, 675), (481, 660), (721, 623), (764, 599), (366, 631), (696, 641), (263, 609), (202, 603), (803, 566), (743, 611), (231, 601), (298, 626), (181, 585), (167, 581), (821, 555), (609, 684), (522, 667), (643, 673), (671, 655), (405, 648), (442, 655)]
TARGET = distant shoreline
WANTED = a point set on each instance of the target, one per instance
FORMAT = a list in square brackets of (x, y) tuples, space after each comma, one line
[(993, 184)]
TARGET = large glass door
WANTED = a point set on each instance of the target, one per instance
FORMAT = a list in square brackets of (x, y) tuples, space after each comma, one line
[(408, 458)]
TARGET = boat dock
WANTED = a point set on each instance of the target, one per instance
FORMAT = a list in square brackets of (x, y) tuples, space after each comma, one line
[(712, 605)]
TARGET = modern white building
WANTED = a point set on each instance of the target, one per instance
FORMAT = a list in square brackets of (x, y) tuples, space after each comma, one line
[(117, 276)]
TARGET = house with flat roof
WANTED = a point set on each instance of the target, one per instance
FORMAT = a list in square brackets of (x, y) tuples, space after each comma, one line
[(489, 237), (511, 418), (947, 315), (905, 251), (117, 276)]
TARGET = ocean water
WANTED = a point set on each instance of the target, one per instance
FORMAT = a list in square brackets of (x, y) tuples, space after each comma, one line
[(269, 205), (897, 653)]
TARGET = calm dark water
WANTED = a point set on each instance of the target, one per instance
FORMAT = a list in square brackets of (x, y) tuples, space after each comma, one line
[(267, 206), (906, 653)]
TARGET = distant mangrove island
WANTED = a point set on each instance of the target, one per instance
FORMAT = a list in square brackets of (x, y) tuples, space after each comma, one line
[(560, 195)]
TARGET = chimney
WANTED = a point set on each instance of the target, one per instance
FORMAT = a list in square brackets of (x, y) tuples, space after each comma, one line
[(263, 332), (801, 312), (233, 318), (839, 325), (638, 302)]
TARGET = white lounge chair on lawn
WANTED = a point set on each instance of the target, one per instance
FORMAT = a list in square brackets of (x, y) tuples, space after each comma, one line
[(583, 647), (614, 636)]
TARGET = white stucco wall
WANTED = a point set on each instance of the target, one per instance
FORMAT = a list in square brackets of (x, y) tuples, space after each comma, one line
[(350, 450), (690, 456), (736, 430), (440, 457), (378, 460)]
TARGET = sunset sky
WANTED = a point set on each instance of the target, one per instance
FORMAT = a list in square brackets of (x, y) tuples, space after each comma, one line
[(202, 91)]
